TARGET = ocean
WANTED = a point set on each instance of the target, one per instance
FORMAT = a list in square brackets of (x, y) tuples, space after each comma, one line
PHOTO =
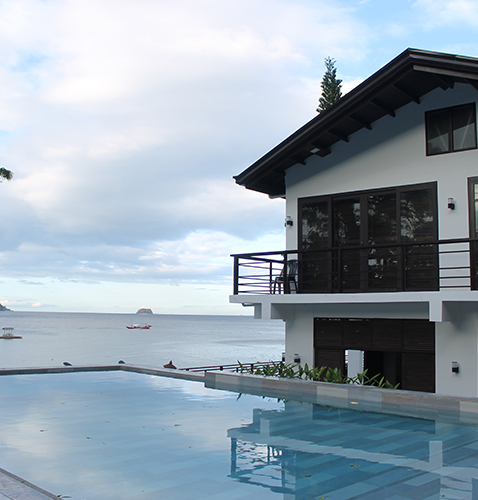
[(49, 339)]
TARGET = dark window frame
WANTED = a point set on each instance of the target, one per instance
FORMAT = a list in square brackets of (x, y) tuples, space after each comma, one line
[(363, 194), (472, 182), (327, 275), (429, 115)]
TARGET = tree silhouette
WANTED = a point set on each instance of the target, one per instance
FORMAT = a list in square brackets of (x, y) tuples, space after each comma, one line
[(5, 174), (331, 86)]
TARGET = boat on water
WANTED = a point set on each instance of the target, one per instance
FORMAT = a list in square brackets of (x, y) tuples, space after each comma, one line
[(138, 327)]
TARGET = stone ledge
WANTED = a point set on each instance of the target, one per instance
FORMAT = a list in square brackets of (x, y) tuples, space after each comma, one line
[(163, 372), (394, 401), (411, 403), (13, 487)]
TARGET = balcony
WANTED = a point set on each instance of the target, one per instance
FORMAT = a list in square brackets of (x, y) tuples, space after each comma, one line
[(450, 264)]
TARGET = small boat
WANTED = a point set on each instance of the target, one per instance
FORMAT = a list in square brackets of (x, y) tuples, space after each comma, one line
[(138, 327)]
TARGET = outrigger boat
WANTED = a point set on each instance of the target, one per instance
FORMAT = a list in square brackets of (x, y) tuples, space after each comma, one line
[(138, 327)]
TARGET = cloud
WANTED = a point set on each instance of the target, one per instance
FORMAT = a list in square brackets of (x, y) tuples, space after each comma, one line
[(437, 13), (28, 282), (124, 122)]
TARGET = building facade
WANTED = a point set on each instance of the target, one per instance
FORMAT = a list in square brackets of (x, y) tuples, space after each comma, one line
[(381, 225)]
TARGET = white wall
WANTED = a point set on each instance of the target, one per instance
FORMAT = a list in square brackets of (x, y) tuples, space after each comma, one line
[(393, 153), (299, 337), (457, 340), (354, 362)]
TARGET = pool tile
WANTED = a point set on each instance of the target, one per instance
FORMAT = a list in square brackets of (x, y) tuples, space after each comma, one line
[(174, 439)]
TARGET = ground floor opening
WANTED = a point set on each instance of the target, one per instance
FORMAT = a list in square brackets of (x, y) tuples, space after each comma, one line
[(401, 350)]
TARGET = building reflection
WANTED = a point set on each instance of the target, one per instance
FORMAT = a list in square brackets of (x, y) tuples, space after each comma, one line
[(307, 451)]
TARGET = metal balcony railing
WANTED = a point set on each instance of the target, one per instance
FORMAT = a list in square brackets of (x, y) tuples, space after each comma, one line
[(413, 266), (233, 367)]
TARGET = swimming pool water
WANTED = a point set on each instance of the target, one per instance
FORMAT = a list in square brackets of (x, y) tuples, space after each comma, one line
[(121, 435)]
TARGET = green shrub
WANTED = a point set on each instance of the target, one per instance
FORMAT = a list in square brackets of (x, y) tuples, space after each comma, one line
[(322, 374)]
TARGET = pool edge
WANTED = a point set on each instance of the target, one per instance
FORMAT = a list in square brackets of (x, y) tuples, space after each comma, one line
[(15, 488), (163, 372), (397, 402), (391, 401)]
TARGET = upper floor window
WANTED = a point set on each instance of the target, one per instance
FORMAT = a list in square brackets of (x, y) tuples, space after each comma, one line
[(451, 129)]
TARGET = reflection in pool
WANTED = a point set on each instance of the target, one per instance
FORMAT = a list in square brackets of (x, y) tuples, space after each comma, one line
[(120, 435)]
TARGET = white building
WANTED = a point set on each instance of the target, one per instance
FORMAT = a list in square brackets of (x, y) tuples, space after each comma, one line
[(381, 256)]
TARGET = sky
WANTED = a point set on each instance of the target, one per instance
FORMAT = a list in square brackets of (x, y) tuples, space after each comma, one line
[(124, 122)]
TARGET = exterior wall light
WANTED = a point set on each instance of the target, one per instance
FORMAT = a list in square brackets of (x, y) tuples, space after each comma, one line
[(283, 357), (455, 367), (451, 204), (288, 221), (296, 358)]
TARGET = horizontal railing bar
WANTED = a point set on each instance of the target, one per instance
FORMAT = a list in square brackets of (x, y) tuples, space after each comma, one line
[(230, 366), (454, 287), (453, 268), (361, 247), (447, 252), (405, 266)]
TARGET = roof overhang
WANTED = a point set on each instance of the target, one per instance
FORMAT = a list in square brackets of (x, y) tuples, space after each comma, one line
[(405, 79)]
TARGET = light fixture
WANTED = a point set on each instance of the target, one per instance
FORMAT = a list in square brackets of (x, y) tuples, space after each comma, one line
[(283, 357), (288, 221), (455, 367), (451, 204), (296, 358)]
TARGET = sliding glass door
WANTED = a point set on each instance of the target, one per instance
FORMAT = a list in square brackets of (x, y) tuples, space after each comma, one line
[(364, 241), (473, 201)]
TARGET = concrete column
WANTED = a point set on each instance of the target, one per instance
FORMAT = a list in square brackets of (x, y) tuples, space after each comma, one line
[(457, 340), (299, 336), (354, 362)]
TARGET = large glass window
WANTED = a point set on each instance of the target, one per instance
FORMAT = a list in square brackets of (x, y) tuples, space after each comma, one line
[(382, 230), (315, 268), (473, 201), (366, 240), (315, 225), (451, 129)]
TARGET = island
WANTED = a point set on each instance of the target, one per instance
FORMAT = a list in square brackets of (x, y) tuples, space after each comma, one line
[(144, 310), (3, 308)]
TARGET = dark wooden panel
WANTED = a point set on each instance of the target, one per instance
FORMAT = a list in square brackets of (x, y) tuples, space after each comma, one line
[(419, 336), (328, 332), (387, 335), (332, 358), (418, 372), (358, 334)]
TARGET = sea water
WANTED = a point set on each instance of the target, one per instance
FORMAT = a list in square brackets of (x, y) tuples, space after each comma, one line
[(49, 339)]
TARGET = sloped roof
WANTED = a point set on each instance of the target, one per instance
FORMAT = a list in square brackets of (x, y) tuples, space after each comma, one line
[(406, 78)]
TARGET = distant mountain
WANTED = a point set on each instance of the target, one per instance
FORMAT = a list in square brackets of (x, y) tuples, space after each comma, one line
[(144, 310), (3, 308)]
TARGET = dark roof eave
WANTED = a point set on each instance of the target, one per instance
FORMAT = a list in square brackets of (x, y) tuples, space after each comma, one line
[(410, 61)]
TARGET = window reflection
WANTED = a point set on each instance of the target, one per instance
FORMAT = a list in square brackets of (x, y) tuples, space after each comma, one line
[(356, 242), (451, 129)]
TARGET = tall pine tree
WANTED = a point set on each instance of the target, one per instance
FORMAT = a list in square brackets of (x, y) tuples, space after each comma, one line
[(331, 86), (5, 174)]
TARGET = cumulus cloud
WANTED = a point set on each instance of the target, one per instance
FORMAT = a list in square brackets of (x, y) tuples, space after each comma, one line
[(448, 12), (124, 122)]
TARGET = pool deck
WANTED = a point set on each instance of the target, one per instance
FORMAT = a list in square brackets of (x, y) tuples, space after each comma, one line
[(15, 488), (407, 403)]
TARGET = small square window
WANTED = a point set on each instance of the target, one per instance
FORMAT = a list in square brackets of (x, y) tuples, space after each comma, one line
[(451, 129)]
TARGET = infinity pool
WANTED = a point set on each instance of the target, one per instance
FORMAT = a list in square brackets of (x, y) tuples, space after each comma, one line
[(122, 435)]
